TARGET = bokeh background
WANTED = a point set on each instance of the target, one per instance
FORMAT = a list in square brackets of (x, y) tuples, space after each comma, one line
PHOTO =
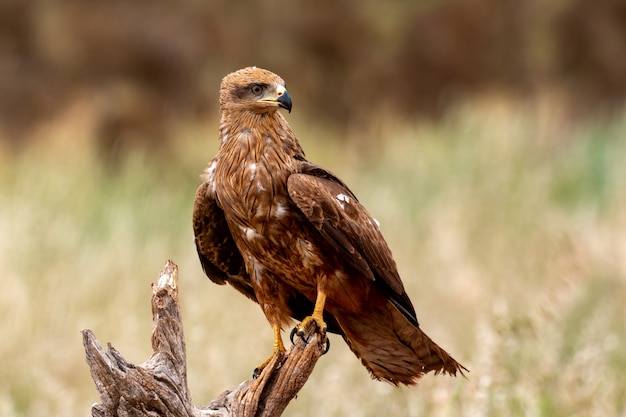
[(487, 136)]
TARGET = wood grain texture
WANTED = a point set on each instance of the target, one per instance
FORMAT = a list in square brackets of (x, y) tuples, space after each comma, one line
[(158, 387)]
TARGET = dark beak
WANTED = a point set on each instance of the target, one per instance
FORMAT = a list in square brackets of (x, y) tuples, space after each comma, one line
[(284, 101)]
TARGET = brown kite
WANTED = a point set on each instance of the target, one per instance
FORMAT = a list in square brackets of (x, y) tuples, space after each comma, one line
[(291, 236)]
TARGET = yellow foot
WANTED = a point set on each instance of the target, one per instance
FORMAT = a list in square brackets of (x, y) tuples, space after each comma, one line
[(259, 369), (279, 349), (320, 325), (317, 319)]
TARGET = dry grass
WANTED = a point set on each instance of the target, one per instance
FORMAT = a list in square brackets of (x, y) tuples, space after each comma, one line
[(508, 226)]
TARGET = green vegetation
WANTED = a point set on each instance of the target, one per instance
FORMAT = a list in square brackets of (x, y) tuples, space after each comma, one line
[(508, 226)]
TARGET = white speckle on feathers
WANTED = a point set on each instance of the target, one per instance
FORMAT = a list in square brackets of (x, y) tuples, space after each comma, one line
[(257, 269), (252, 171), (280, 210), (374, 220), (209, 175), (341, 199), (249, 232)]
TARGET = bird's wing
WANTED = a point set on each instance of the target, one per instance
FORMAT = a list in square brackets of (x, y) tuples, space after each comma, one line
[(348, 229), (219, 256)]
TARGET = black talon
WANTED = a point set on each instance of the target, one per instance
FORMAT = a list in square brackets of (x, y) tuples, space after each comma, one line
[(257, 372), (292, 334), (300, 332), (327, 347)]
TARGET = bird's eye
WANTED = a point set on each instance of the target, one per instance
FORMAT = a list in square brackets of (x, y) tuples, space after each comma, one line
[(256, 89)]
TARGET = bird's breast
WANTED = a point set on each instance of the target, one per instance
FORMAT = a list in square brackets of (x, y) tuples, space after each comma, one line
[(251, 184), (250, 181)]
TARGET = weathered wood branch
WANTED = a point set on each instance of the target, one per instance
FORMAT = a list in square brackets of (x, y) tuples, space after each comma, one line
[(158, 387)]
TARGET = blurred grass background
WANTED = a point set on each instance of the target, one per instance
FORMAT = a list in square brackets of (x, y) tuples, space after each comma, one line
[(492, 154)]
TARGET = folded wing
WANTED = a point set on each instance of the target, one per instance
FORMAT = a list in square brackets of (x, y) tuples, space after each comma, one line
[(349, 230)]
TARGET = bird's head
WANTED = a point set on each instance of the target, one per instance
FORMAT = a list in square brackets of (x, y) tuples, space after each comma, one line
[(255, 90)]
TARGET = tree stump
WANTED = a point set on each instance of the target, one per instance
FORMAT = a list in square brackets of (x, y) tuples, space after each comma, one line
[(158, 387)]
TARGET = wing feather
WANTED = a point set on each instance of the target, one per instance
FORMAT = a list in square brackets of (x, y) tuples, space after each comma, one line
[(349, 229), (220, 258)]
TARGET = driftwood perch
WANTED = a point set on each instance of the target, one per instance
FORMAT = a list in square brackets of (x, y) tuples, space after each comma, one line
[(158, 387)]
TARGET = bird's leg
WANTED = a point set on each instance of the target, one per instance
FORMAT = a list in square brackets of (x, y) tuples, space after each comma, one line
[(317, 316), (279, 349), (278, 339)]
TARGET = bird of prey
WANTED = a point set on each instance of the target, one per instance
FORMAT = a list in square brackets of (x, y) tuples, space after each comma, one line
[(291, 236)]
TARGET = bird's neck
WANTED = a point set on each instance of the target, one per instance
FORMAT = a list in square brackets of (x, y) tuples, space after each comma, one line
[(258, 130), (256, 156)]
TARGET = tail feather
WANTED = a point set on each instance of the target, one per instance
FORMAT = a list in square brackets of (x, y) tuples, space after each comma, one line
[(394, 349)]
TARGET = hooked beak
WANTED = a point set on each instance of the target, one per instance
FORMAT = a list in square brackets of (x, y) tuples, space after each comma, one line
[(281, 99), (284, 101)]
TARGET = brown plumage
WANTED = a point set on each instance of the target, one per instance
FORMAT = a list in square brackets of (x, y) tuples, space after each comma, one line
[(291, 236)]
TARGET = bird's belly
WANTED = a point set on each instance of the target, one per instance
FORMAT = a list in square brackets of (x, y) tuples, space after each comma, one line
[(284, 250)]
